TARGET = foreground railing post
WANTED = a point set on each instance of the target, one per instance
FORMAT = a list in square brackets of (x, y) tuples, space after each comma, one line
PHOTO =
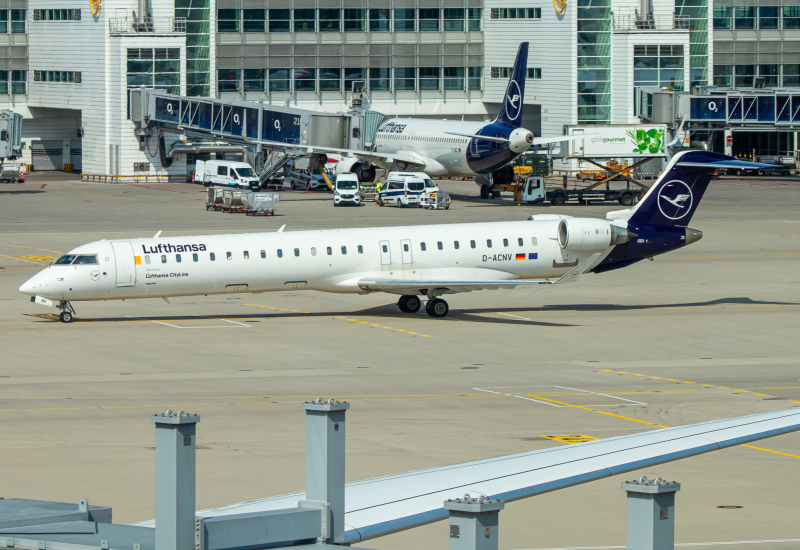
[(651, 513), (474, 523), (175, 480)]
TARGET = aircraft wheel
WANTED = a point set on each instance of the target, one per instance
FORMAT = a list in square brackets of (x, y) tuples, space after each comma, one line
[(437, 308), (65, 317), (409, 304), (486, 191)]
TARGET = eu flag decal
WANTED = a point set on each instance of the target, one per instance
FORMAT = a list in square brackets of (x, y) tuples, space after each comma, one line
[(520, 256), (533, 255)]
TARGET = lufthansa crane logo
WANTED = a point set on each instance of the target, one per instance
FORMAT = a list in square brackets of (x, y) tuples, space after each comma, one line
[(675, 199), (513, 100)]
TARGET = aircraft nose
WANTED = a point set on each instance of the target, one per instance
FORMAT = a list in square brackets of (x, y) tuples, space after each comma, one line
[(29, 287)]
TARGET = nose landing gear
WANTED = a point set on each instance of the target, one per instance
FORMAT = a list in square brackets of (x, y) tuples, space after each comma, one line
[(67, 314)]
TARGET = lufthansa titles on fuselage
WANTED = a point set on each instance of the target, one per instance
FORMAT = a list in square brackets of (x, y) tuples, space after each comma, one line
[(163, 248)]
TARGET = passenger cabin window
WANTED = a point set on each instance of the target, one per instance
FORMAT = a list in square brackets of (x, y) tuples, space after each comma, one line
[(222, 171), (360, 249), (439, 245), (520, 241), (472, 244), (263, 253), (533, 241), (163, 258), (297, 252), (344, 250), (229, 255), (280, 253), (329, 251), (505, 242), (195, 257), (455, 244), (386, 248), (422, 247), (313, 251), (246, 255), (212, 256), (178, 258), (489, 243), (147, 259), (405, 247)]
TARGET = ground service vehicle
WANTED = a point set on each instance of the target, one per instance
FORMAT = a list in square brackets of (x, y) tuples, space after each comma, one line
[(406, 189), (226, 172), (347, 190), (534, 191), (10, 146)]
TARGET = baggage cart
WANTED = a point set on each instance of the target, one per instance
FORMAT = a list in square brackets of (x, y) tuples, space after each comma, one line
[(439, 200)]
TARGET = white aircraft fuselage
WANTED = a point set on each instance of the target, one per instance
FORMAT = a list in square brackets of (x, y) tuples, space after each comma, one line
[(329, 260)]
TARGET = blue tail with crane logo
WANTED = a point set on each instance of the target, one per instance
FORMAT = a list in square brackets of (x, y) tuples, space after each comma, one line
[(511, 110)]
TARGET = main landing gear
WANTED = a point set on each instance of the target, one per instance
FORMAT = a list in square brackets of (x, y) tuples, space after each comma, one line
[(435, 307), (67, 314)]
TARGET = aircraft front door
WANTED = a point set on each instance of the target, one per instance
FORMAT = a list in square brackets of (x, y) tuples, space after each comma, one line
[(386, 254), (405, 251), (125, 263)]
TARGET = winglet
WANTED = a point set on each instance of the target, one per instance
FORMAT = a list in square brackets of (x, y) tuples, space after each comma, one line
[(157, 235), (572, 275)]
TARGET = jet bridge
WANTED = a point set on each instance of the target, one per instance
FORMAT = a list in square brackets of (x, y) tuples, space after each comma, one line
[(251, 124)]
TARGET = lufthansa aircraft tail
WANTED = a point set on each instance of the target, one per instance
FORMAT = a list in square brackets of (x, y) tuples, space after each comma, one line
[(511, 110), (673, 199)]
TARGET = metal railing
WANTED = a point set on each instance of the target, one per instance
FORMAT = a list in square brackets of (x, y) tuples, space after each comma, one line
[(632, 22), (147, 25)]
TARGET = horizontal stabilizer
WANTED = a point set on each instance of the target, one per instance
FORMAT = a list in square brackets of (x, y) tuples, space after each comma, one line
[(385, 505), (734, 164)]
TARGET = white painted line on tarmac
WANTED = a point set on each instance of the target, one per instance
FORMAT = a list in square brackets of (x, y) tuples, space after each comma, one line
[(684, 544), (236, 323), (514, 316), (520, 397), (603, 394)]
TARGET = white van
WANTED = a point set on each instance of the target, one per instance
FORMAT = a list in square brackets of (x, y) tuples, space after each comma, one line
[(406, 188), (347, 189), (226, 172)]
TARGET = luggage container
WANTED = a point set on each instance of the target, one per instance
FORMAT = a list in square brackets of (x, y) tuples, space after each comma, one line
[(260, 204)]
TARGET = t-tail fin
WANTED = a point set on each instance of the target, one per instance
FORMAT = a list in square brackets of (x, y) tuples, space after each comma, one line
[(511, 110), (672, 200)]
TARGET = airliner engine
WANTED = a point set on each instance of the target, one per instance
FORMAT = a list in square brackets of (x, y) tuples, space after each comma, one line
[(364, 171), (590, 234)]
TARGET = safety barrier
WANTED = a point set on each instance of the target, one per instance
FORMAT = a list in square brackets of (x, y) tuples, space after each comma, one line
[(147, 178)]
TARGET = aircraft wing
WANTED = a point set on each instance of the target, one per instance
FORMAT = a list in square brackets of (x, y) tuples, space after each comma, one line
[(385, 505), (383, 160), (407, 286)]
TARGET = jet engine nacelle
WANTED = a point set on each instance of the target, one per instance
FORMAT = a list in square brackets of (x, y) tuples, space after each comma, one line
[(364, 171), (589, 234)]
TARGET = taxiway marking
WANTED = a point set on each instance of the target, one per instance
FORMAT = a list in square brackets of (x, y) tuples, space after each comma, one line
[(382, 326)]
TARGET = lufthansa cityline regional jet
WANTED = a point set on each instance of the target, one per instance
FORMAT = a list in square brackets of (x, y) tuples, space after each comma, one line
[(410, 261)]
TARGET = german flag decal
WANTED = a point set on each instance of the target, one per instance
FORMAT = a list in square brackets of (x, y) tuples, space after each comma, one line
[(520, 257)]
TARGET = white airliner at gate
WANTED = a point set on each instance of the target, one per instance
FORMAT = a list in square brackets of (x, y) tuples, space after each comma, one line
[(125, 263)]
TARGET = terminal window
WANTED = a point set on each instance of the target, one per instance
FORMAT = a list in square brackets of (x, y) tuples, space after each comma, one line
[(57, 15), (17, 18)]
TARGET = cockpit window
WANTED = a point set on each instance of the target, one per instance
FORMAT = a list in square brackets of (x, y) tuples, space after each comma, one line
[(86, 259), (65, 260), (77, 259)]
